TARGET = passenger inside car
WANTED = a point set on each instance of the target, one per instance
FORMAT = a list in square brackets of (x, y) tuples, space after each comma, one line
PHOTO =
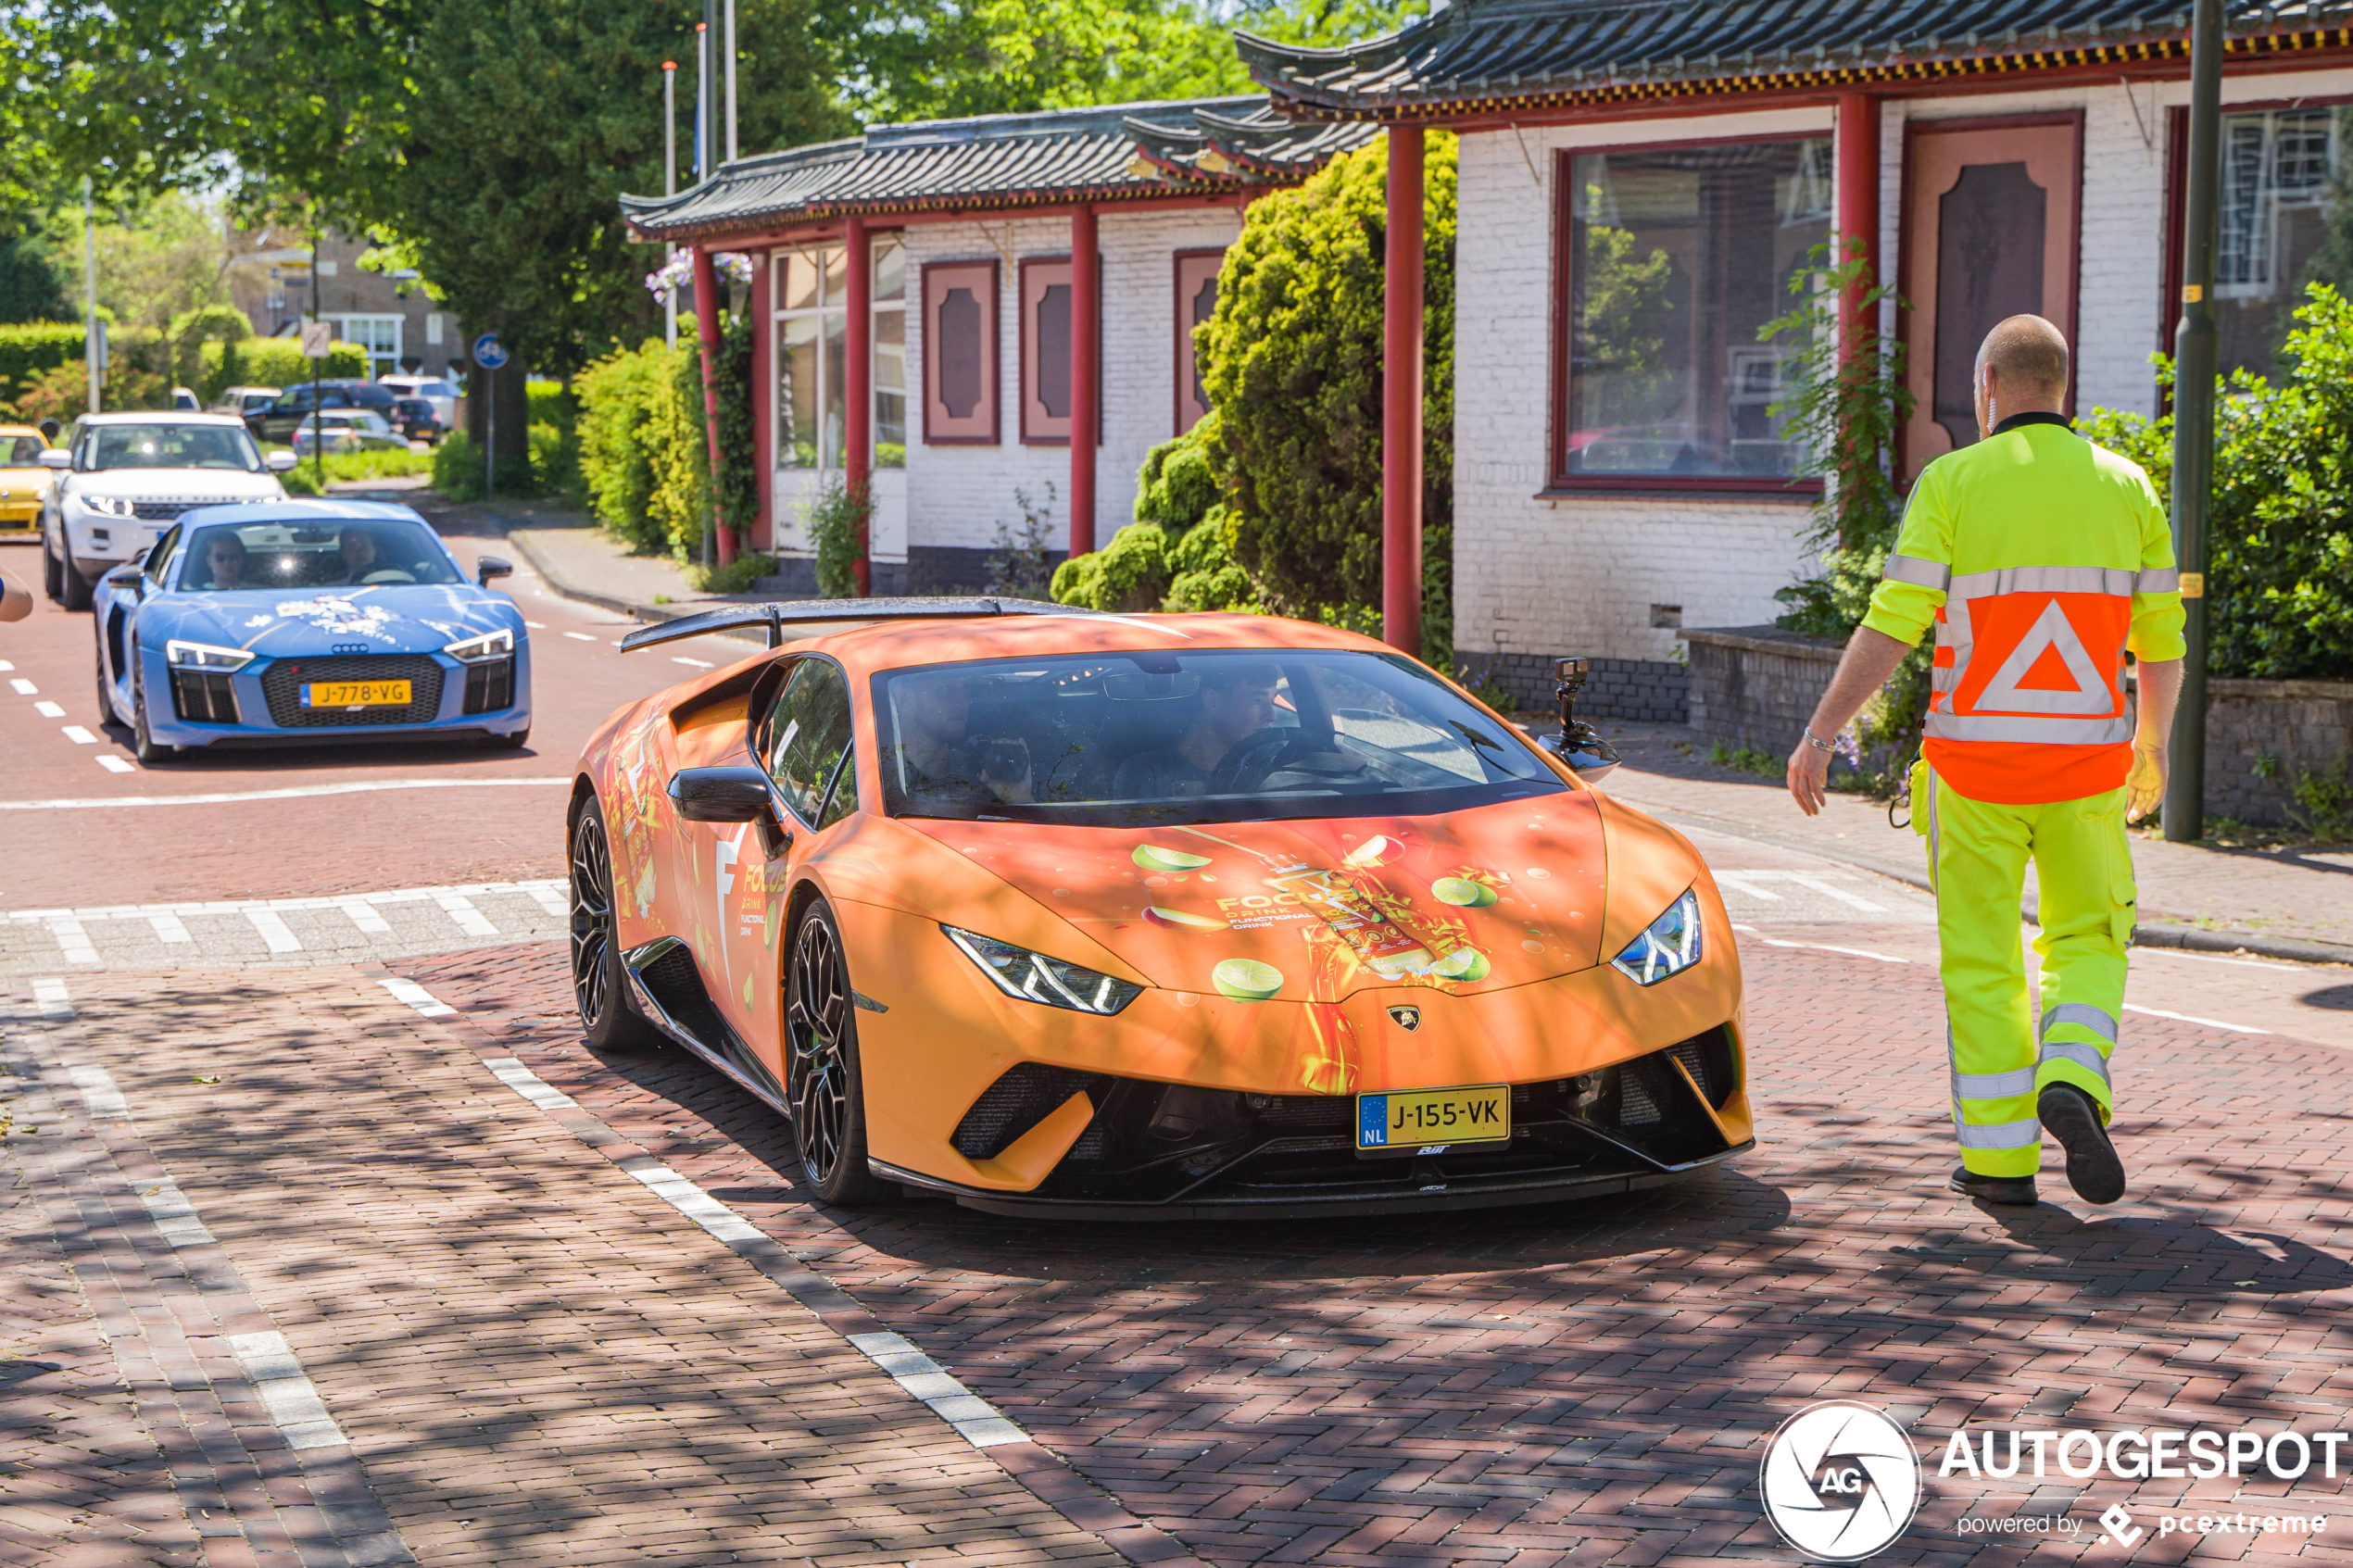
[(224, 560), (357, 550)]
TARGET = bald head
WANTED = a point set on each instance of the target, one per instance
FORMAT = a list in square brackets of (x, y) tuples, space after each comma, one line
[(2021, 367)]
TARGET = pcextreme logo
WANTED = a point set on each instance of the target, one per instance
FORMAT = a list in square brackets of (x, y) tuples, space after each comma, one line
[(1840, 1480)]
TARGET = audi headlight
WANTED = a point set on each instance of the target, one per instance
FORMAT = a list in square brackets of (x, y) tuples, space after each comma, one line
[(1669, 946), (203, 655), (108, 506), (1033, 977), (489, 645)]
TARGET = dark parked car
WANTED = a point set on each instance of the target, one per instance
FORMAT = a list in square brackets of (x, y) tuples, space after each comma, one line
[(414, 417), (276, 423)]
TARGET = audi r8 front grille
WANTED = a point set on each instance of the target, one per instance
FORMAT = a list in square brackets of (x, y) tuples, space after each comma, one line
[(282, 684), (202, 696), (490, 686)]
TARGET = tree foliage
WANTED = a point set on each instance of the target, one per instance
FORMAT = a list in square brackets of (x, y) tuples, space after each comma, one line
[(2280, 527), (1292, 363)]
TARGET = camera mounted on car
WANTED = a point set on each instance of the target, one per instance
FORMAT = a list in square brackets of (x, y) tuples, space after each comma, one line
[(1579, 744)]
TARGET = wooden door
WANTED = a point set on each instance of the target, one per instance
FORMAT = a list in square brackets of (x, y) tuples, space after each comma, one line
[(1991, 229)]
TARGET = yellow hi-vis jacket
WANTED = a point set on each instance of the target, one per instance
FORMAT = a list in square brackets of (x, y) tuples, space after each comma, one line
[(2041, 558)]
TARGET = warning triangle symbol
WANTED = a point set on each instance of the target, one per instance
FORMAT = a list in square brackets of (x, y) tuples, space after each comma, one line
[(2049, 672)]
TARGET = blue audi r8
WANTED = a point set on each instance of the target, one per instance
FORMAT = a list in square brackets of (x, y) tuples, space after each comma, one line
[(307, 620)]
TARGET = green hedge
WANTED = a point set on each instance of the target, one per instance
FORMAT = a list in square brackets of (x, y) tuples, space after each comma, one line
[(271, 361), (28, 349), (643, 457)]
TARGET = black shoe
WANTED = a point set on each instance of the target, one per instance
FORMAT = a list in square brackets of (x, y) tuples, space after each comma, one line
[(2093, 1169), (1995, 1189)]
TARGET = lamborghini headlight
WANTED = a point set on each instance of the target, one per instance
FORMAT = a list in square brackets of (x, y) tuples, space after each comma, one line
[(1033, 977), (203, 655), (476, 650), (1669, 946)]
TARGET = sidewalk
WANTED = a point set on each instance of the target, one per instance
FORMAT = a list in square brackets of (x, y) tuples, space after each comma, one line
[(2283, 904)]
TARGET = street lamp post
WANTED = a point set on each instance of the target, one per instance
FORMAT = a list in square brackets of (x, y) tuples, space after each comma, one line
[(93, 346), (670, 188), (731, 81), (2193, 361)]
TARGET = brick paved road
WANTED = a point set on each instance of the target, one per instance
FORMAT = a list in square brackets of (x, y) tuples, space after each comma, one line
[(536, 1360)]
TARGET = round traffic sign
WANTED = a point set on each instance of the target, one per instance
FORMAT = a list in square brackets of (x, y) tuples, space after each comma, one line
[(489, 353)]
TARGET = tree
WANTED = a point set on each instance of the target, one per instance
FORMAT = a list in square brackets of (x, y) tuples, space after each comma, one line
[(1293, 364)]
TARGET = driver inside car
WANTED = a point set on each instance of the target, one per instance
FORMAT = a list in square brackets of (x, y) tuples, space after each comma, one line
[(358, 549), (1237, 702)]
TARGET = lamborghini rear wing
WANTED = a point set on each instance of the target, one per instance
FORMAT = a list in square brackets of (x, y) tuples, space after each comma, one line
[(792, 618)]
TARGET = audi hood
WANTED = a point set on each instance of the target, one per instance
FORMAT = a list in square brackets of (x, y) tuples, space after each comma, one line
[(380, 617)]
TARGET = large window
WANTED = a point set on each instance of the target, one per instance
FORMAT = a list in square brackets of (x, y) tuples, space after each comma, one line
[(813, 355), (2279, 173), (1672, 258)]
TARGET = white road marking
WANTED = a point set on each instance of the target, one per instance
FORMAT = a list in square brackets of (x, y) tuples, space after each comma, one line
[(1747, 882), (580, 636), (6, 666), (79, 736), (331, 901), (2214, 958), (286, 1391), (471, 920), (298, 792), (410, 994), (1739, 882), (72, 940), (174, 1215), (52, 997), (48, 709), (974, 1419), (536, 625), (2185, 1018), (99, 1094), (114, 764), (169, 929), (273, 931), (1821, 885), (550, 899), (24, 688), (678, 659), (363, 915)]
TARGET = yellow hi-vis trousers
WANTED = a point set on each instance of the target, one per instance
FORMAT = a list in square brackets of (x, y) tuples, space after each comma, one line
[(1977, 854)]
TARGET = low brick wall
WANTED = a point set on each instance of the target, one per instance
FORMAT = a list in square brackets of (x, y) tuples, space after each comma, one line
[(1646, 690), (1757, 686), (2282, 728)]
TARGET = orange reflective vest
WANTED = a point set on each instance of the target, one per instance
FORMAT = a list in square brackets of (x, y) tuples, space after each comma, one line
[(2041, 558)]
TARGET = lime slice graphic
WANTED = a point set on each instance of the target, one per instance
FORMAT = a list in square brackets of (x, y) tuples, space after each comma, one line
[(1369, 853), (1462, 892), (1153, 858), (1247, 979), (1156, 916), (1463, 964)]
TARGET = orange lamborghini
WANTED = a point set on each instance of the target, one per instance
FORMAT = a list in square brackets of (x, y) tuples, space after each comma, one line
[(1148, 917)]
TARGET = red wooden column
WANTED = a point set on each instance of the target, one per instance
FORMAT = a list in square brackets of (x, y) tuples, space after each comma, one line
[(1086, 397), (706, 329), (1400, 445), (763, 402), (1859, 160), (857, 396)]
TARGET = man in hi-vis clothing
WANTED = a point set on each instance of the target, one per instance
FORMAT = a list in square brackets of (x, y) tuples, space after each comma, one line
[(2041, 560)]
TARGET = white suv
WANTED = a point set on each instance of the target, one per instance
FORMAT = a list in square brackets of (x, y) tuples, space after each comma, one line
[(124, 479)]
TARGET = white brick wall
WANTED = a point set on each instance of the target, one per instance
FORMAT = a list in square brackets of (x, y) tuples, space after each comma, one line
[(956, 496), (1580, 575)]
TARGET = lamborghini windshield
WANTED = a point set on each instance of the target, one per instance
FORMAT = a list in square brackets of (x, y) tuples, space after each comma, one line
[(1138, 738)]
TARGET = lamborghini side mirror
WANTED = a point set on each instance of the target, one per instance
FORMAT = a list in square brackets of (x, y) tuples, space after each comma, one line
[(735, 794)]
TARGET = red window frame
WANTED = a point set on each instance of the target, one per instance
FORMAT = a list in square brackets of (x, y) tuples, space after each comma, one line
[(1558, 480)]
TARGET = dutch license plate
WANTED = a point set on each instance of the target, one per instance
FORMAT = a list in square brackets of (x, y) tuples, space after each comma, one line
[(356, 694), (1408, 1121)]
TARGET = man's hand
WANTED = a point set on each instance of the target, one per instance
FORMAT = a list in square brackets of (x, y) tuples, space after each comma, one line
[(2145, 782), (1809, 776)]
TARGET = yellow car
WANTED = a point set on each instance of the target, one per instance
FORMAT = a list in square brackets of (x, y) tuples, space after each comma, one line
[(1148, 917), (24, 483)]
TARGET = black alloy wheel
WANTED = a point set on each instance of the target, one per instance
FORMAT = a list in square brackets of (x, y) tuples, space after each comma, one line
[(143, 744), (53, 580), (76, 593), (597, 986), (821, 1065)]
